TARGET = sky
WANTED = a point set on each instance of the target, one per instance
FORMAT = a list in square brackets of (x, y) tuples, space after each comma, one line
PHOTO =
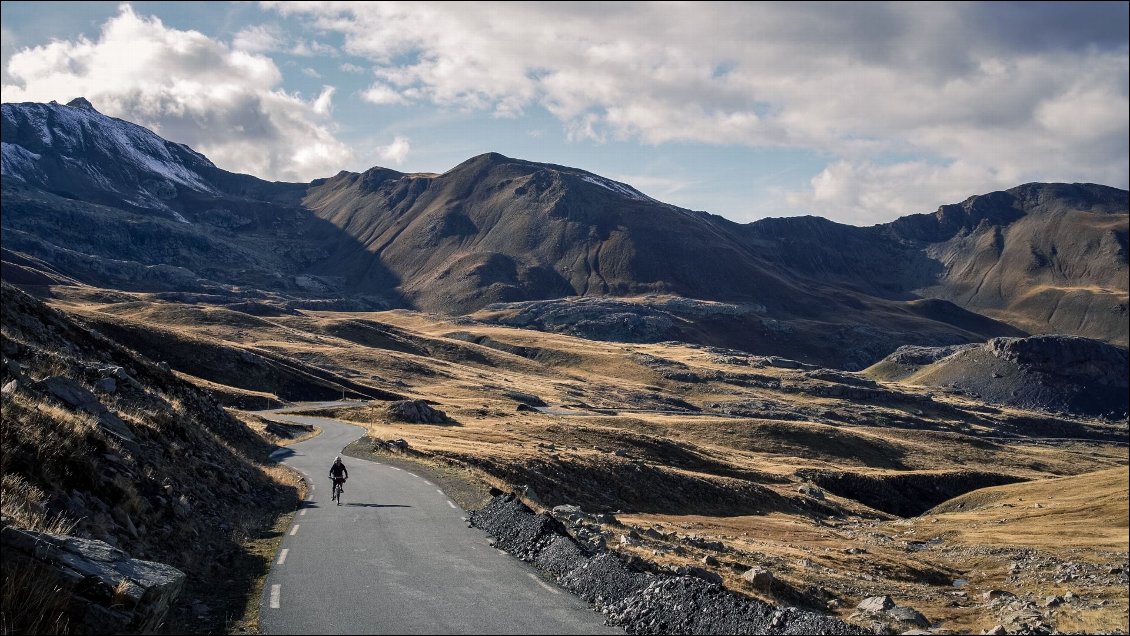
[(860, 113)]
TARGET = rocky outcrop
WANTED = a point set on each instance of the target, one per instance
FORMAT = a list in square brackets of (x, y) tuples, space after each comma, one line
[(632, 596), (416, 412), (1057, 373), (79, 398), (107, 591), (919, 356)]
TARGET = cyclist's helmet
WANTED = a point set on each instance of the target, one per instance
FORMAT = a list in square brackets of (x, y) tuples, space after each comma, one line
[(337, 459)]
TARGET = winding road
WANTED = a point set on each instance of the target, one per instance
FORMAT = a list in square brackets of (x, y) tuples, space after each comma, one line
[(397, 558)]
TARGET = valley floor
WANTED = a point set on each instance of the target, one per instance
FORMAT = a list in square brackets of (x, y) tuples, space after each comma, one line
[(840, 486)]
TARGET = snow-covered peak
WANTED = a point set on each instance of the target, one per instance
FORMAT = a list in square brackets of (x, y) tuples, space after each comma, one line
[(617, 187), (75, 148)]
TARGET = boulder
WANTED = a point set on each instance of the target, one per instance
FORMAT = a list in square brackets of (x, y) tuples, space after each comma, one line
[(568, 512), (811, 490), (908, 615), (78, 398), (416, 412), (876, 604), (106, 385), (759, 578), (107, 591), (70, 393)]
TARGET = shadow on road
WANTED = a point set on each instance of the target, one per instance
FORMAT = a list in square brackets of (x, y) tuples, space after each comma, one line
[(282, 453), (373, 505)]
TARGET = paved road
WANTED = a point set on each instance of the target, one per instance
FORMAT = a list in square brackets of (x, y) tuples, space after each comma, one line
[(396, 558)]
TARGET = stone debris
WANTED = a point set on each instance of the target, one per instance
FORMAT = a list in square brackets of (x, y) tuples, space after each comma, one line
[(640, 597)]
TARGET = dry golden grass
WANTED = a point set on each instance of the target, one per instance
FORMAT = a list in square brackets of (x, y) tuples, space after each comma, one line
[(31, 603), (733, 465), (1089, 510)]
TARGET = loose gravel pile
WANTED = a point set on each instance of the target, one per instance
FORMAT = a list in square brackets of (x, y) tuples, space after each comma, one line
[(640, 601)]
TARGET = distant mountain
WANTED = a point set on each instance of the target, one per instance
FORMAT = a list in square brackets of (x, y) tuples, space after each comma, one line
[(105, 202)]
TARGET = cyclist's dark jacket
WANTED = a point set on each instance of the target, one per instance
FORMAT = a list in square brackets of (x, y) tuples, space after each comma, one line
[(338, 471)]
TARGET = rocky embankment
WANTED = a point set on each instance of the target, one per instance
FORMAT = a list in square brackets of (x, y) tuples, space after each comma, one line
[(1057, 373), (106, 592), (633, 595)]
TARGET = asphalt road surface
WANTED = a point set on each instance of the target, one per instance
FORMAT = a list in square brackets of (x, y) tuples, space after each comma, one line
[(396, 558)]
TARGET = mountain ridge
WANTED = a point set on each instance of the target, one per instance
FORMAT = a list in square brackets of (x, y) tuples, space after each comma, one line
[(1042, 258)]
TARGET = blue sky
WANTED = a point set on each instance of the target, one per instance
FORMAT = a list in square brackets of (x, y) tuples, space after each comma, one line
[(857, 112)]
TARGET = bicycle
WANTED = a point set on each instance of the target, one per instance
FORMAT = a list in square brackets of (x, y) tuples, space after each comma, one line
[(337, 491)]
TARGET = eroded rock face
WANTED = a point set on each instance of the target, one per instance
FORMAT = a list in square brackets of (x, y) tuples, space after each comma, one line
[(110, 593)]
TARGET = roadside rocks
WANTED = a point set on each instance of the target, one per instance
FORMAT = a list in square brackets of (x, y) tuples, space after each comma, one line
[(106, 591), (392, 445), (641, 599)]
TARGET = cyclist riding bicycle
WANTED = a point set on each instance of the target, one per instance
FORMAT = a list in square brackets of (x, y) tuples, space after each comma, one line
[(338, 475)]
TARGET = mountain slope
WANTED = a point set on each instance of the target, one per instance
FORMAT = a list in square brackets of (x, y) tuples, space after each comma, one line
[(108, 203), (498, 229), (1049, 258)]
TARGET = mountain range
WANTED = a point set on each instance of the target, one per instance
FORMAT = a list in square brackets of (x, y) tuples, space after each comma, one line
[(100, 201)]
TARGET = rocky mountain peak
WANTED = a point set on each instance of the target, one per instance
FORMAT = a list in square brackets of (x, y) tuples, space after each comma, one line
[(83, 103)]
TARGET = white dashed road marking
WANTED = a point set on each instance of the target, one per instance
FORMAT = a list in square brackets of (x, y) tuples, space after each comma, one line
[(282, 555), (294, 530), (451, 504), (439, 491), (302, 512), (543, 583), (275, 591)]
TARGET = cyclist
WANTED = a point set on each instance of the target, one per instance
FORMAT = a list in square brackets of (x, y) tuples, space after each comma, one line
[(338, 475)]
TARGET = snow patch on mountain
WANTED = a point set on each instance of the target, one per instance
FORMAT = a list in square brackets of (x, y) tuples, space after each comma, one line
[(17, 161), (617, 187)]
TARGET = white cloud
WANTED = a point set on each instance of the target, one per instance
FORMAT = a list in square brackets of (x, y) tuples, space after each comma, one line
[(991, 94), (349, 67), (381, 94), (395, 152), (866, 193), (270, 38), (223, 101), (260, 38)]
